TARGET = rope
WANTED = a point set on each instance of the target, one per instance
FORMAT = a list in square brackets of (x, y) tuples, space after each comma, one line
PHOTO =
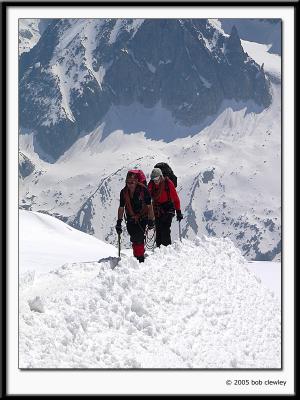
[(150, 240)]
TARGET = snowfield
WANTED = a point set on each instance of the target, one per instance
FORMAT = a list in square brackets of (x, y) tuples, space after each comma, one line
[(193, 304), (259, 52), (55, 243)]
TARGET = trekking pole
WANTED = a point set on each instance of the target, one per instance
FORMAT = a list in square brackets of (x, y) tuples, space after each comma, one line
[(119, 245), (179, 231)]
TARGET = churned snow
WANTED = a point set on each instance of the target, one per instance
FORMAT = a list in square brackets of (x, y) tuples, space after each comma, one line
[(193, 304)]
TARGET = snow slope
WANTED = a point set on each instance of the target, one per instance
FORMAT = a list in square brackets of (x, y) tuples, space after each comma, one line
[(259, 52), (47, 243), (194, 304), (269, 273)]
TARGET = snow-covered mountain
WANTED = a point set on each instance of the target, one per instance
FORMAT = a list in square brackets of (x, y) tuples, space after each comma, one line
[(194, 304), (30, 31), (228, 172), (229, 180), (29, 34), (82, 69)]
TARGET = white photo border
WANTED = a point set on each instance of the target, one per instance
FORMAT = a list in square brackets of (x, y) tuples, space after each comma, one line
[(171, 382)]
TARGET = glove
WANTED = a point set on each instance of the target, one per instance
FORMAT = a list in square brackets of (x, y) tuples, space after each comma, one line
[(150, 223), (179, 216), (119, 226)]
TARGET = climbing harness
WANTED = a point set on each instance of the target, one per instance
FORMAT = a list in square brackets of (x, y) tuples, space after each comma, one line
[(128, 206)]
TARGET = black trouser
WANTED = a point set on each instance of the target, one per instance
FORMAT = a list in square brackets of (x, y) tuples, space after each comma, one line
[(136, 232), (163, 229)]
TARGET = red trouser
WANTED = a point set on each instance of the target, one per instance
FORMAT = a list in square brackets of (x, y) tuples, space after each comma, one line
[(138, 249)]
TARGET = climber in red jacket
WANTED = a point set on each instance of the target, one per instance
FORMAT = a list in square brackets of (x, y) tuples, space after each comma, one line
[(165, 203)]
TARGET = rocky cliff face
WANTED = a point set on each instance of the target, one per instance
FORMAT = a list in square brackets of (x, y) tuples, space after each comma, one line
[(26, 167), (259, 30), (79, 69)]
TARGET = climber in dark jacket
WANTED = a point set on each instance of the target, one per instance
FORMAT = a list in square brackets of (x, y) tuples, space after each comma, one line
[(165, 203), (136, 200)]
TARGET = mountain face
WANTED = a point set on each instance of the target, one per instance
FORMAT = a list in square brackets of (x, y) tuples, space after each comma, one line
[(228, 180), (82, 69)]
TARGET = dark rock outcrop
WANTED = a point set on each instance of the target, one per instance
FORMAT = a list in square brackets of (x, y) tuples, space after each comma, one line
[(26, 167)]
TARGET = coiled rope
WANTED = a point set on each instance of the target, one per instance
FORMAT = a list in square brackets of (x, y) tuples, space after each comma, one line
[(150, 241)]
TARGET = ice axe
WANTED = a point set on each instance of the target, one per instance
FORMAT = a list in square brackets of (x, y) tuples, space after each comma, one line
[(119, 245), (180, 237)]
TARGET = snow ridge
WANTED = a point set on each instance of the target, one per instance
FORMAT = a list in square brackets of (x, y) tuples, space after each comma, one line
[(193, 304)]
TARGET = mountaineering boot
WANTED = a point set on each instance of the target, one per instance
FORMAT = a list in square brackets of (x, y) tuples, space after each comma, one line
[(141, 258)]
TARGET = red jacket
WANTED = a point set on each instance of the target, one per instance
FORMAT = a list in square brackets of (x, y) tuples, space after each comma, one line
[(162, 192)]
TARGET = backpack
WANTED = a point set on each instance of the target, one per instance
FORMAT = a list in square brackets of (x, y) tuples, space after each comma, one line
[(140, 175), (167, 171)]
